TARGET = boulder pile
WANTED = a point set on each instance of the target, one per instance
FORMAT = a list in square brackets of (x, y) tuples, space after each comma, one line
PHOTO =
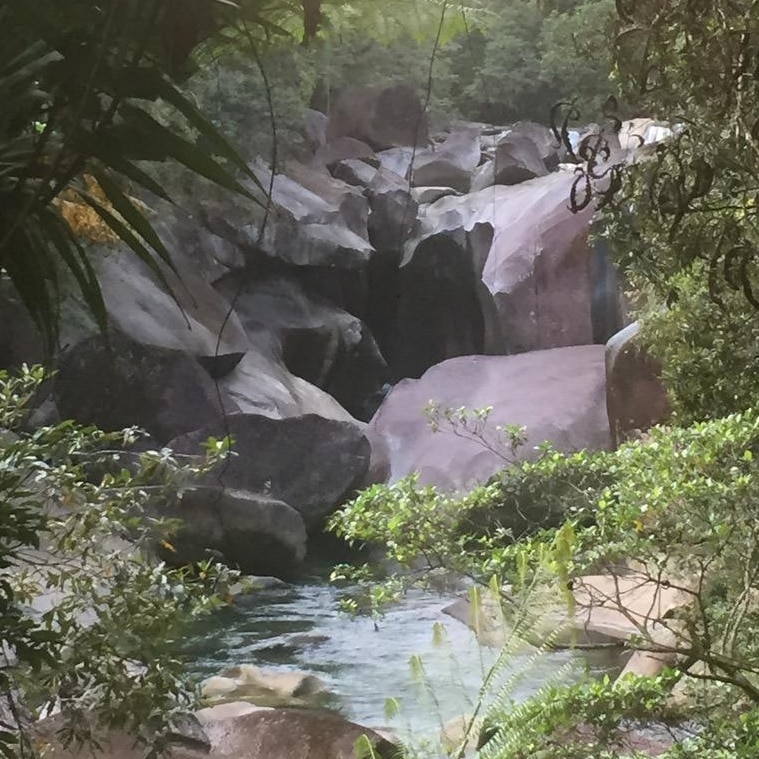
[(390, 254)]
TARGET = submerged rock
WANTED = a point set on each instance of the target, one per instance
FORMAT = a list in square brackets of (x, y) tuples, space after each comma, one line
[(264, 687)]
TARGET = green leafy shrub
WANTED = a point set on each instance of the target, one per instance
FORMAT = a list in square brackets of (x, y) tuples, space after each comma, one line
[(91, 620)]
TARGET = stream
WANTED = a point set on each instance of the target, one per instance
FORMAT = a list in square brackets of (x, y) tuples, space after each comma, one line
[(300, 627)]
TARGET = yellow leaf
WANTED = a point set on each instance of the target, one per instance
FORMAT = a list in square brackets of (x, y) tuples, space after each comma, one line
[(165, 544)]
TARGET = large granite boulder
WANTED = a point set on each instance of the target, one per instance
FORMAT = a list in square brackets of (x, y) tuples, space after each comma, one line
[(538, 269), (557, 395), (311, 463), (451, 163), (354, 172), (293, 734), (315, 128), (635, 396), (543, 139), (252, 532), (393, 212), (517, 159), (114, 382), (260, 383), (383, 117), (349, 200), (238, 731), (319, 342), (194, 318), (302, 228)]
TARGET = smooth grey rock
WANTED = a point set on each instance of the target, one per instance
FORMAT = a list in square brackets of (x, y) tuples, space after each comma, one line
[(517, 159), (397, 160), (252, 532), (543, 139), (141, 308), (261, 384), (537, 268), (431, 194), (558, 395), (439, 171), (383, 117), (114, 382), (309, 462), (319, 342), (315, 128), (354, 171)]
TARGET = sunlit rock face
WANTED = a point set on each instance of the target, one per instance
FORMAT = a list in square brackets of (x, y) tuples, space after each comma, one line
[(557, 395), (535, 267)]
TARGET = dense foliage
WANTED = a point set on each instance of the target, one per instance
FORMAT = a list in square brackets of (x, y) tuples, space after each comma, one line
[(78, 84), (681, 503), (493, 61), (78, 527)]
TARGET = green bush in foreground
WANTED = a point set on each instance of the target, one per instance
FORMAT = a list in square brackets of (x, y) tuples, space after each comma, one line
[(90, 620), (681, 503)]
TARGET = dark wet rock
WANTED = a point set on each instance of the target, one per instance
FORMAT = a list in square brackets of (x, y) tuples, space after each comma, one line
[(319, 342), (439, 309), (249, 531), (221, 364), (20, 339), (393, 212), (440, 172), (309, 462), (114, 382)]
